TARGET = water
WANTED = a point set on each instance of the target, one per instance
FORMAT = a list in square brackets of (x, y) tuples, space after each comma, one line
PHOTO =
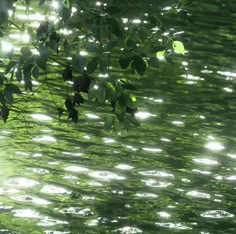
[(174, 174)]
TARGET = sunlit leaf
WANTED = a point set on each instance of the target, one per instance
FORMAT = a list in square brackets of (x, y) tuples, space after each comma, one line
[(133, 98), (178, 47), (160, 54)]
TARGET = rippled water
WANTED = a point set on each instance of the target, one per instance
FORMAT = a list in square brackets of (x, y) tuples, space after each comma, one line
[(175, 174)]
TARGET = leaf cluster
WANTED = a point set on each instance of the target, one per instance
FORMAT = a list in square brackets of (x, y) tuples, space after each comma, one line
[(98, 47)]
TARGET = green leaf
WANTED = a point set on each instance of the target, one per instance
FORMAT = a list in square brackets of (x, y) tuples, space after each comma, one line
[(28, 85), (65, 12), (131, 43), (42, 31), (41, 2), (43, 57), (10, 66), (79, 62), (2, 78), (126, 84), (66, 3), (112, 10), (160, 54), (3, 12), (153, 62), (109, 122), (92, 65), (41, 63), (120, 110), (44, 52), (27, 76), (60, 111), (67, 47), (73, 114), (69, 105), (27, 2), (25, 51), (12, 88), (133, 121), (2, 99), (139, 65), (35, 72), (4, 113), (124, 62), (1, 33), (9, 97), (186, 2), (99, 93), (67, 73), (78, 99), (178, 47), (115, 27), (18, 75)]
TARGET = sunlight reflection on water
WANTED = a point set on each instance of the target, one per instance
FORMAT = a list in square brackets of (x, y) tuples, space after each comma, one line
[(217, 214), (48, 139), (41, 117), (54, 189), (197, 194), (152, 177), (205, 161), (214, 146), (106, 175)]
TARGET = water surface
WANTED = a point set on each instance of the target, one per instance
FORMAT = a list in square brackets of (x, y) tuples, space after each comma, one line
[(174, 174)]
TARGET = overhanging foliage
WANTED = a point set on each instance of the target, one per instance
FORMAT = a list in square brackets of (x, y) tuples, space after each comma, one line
[(90, 41)]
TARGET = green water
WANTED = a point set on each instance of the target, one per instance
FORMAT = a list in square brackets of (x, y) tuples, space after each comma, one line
[(174, 174)]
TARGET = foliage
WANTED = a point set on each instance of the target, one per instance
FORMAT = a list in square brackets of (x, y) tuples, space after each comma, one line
[(91, 42)]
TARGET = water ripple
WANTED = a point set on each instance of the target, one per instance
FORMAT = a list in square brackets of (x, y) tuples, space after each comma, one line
[(106, 175), (78, 211), (129, 230), (156, 173), (197, 194), (76, 169), (217, 214), (21, 182), (205, 161), (157, 184), (178, 226), (54, 189), (31, 199)]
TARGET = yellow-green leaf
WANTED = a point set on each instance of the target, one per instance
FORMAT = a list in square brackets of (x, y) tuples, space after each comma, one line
[(178, 47), (160, 54), (133, 98)]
